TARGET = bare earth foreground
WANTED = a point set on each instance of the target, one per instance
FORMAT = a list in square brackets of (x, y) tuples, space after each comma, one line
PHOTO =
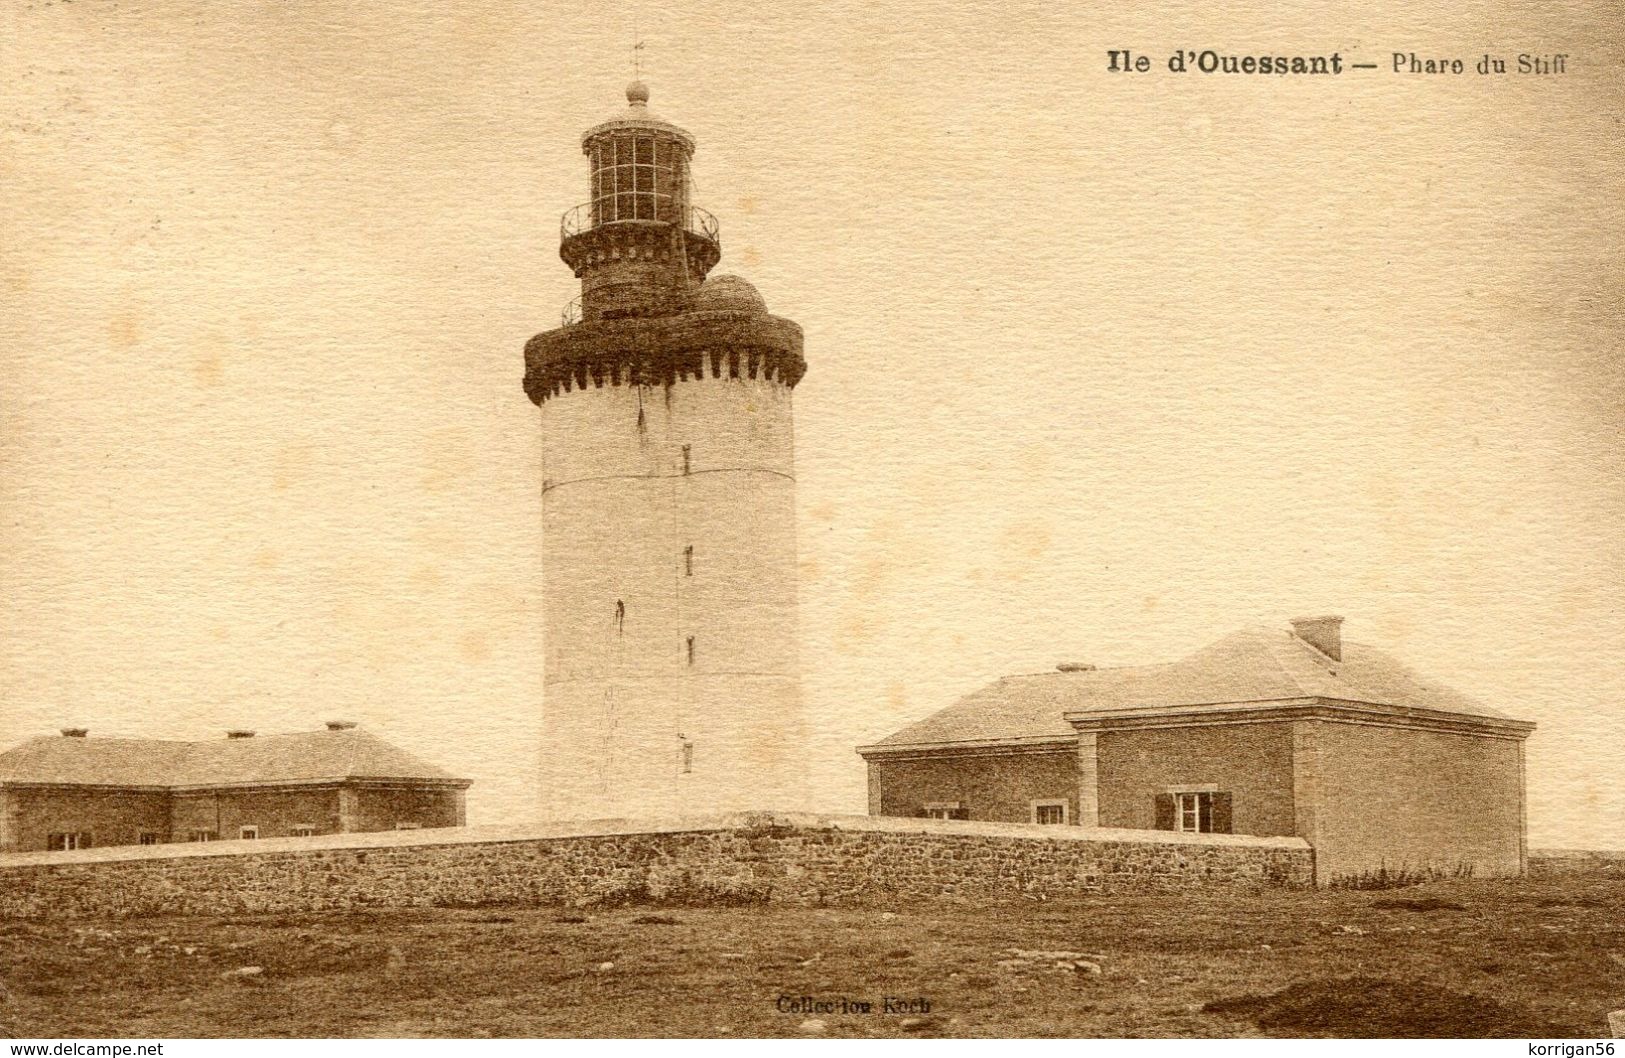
[(1536, 958)]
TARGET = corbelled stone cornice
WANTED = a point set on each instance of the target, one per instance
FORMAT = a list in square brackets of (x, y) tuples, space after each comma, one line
[(662, 350), (634, 240)]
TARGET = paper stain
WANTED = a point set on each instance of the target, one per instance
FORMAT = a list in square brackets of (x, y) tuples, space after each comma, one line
[(872, 582), (441, 539), (178, 142), (339, 136), (209, 369), (293, 463), (1022, 548), (473, 645), (124, 329), (446, 462), (428, 577)]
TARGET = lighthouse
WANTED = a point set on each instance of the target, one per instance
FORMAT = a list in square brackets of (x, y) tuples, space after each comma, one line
[(671, 681)]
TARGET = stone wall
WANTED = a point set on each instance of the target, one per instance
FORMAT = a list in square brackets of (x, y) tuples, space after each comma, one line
[(739, 858)]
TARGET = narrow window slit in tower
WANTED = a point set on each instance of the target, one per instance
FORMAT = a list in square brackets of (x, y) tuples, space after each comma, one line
[(688, 561), (687, 454), (620, 616), (691, 650), (688, 757)]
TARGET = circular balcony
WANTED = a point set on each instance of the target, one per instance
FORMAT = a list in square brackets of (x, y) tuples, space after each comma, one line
[(612, 232), (640, 208)]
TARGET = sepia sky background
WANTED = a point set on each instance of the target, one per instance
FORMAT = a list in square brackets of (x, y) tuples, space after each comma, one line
[(1102, 366)]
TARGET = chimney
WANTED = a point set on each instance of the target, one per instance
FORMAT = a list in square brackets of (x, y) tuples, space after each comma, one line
[(239, 734), (1325, 634), (340, 725), (1074, 666), (75, 732)]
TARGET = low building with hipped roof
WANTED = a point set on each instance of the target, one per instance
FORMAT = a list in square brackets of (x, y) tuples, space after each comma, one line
[(72, 791), (1266, 732)]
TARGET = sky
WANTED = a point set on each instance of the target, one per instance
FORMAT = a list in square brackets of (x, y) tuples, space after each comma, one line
[(1101, 365)]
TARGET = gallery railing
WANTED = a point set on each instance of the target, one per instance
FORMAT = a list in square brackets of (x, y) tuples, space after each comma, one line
[(639, 206)]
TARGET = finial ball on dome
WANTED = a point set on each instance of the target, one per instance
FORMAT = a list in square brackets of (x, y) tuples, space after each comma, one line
[(637, 92)]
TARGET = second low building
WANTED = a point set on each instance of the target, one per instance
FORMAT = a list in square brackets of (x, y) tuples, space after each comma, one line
[(1264, 732), (73, 791)]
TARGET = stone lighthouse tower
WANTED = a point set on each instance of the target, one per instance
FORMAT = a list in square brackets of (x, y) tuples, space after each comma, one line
[(671, 678)]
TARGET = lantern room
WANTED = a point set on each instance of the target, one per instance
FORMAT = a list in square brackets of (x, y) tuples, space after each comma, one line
[(639, 246)]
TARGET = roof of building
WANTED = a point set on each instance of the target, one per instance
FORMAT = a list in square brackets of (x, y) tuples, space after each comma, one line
[(1248, 666), (308, 756)]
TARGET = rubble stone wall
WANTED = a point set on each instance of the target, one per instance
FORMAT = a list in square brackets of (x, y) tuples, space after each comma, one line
[(740, 858)]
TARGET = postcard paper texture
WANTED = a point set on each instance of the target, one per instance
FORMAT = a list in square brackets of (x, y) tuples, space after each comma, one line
[(818, 480)]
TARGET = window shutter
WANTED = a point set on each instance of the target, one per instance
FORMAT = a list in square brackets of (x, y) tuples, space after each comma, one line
[(1204, 813), (1221, 813), (1165, 811), (959, 813)]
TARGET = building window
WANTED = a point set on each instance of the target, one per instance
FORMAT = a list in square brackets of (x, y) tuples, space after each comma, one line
[(691, 650), (944, 810), (201, 835), (1194, 811), (68, 841), (688, 561), (688, 757), (1050, 813), (620, 615), (688, 457), (248, 833), (148, 837), (302, 830)]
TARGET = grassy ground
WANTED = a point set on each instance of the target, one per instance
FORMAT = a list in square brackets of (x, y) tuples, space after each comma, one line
[(1535, 958)]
